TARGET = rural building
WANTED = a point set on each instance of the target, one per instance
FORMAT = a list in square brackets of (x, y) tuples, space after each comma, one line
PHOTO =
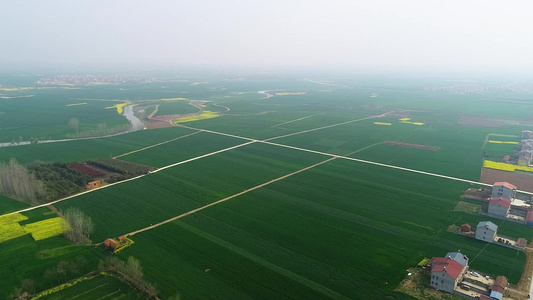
[(466, 228), (526, 134), (503, 189), (524, 157), (446, 273), (499, 207), (526, 144), (521, 242), (458, 257), (111, 244), (93, 184), (486, 231), (505, 159), (529, 218), (498, 288)]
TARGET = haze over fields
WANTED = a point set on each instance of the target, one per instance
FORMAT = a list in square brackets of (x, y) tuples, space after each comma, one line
[(382, 34), (254, 149)]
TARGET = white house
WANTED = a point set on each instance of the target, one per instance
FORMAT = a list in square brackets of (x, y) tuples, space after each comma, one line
[(499, 207), (503, 189), (486, 231)]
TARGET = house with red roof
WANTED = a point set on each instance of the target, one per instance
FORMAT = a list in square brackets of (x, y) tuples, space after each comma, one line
[(499, 207), (503, 189), (526, 134), (446, 273)]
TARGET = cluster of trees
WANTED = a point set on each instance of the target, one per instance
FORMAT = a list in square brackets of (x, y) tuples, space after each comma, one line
[(65, 271), (26, 289), (81, 226), (130, 272), (60, 180), (121, 169), (19, 183), (101, 130)]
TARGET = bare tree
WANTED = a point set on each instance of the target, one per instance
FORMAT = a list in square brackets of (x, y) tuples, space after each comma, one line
[(17, 182), (81, 226), (74, 123)]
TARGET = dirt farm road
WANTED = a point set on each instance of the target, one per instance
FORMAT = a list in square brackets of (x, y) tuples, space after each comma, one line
[(228, 198), (250, 141)]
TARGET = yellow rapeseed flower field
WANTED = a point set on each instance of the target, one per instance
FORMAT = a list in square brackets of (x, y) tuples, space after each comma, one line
[(10, 228), (47, 228), (205, 115), (119, 107), (503, 142), (383, 123), (505, 167)]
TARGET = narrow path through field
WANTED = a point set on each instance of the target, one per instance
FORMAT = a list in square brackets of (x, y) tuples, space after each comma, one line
[(496, 134), (158, 144), (295, 120), (328, 126), (250, 141), (228, 198)]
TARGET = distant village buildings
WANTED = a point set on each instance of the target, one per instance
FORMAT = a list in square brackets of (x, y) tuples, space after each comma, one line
[(503, 189), (526, 134), (486, 231)]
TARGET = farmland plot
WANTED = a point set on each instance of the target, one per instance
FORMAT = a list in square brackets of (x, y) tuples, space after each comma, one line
[(159, 196), (335, 230), (94, 149)]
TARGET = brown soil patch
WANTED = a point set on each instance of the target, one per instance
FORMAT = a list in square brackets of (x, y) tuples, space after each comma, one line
[(407, 145), (522, 180), (417, 286), (54, 209)]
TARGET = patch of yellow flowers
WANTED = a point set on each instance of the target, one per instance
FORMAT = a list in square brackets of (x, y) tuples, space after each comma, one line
[(503, 142), (204, 115), (10, 227), (505, 167)]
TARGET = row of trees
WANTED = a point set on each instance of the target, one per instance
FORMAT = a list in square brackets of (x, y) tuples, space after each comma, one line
[(81, 226), (20, 184), (131, 272)]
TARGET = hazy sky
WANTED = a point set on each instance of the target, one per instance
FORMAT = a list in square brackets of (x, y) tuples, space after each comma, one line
[(418, 34)]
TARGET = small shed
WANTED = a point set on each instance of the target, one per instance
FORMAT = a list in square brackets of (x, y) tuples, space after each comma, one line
[(521, 242), (93, 184), (121, 238), (466, 228), (529, 218)]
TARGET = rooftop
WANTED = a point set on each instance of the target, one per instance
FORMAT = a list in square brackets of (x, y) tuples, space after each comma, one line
[(488, 224), (447, 265), (505, 184), (458, 257), (501, 201)]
